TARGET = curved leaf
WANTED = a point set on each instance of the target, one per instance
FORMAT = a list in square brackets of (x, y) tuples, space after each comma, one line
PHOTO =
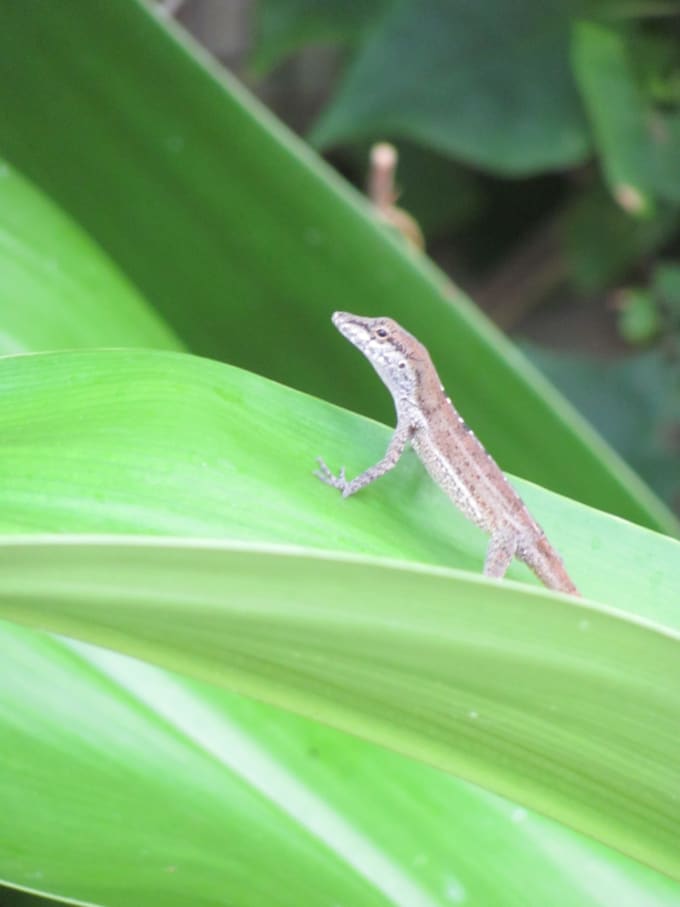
[(200, 196), (489, 83), (151, 442), (638, 141), (541, 699), (161, 442), (286, 25), (57, 289), (199, 796)]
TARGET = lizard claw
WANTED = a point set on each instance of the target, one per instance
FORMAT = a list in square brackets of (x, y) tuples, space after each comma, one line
[(324, 473)]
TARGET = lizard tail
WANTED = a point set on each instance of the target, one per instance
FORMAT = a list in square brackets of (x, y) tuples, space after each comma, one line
[(548, 567)]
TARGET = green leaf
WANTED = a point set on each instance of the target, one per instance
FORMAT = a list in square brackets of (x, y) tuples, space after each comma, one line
[(160, 442), (639, 320), (246, 242), (640, 145), (602, 243), (286, 25), (488, 83), (196, 795), (542, 699), (57, 289), (156, 442), (666, 286), (152, 442), (635, 403)]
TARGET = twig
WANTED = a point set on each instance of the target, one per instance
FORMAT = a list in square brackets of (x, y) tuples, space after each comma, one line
[(382, 192)]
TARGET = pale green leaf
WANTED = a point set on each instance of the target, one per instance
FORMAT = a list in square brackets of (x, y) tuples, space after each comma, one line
[(568, 708), (154, 442), (199, 796)]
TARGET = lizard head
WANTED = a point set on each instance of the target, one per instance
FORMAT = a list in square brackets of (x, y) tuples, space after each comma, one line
[(392, 351)]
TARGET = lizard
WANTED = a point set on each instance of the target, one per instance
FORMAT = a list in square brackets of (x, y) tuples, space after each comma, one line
[(449, 450)]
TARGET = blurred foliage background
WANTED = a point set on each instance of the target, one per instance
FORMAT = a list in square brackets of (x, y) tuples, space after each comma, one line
[(539, 148)]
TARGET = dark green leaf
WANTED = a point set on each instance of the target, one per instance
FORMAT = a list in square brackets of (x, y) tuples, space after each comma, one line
[(488, 83), (666, 285), (640, 145), (639, 319), (286, 25), (602, 242), (634, 402), (246, 243)]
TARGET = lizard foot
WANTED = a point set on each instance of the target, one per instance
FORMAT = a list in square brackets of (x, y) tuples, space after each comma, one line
[(324, 473)]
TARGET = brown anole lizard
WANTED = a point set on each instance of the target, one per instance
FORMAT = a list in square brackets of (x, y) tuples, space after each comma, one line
[(449, 450)]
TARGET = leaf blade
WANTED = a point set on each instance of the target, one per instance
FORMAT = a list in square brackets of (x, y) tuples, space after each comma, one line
[(282, 238), (454, 77), (163, 443), (341, 640), (179, 749), (57, 289)]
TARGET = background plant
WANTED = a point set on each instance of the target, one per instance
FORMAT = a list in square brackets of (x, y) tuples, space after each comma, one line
[(539, 157)]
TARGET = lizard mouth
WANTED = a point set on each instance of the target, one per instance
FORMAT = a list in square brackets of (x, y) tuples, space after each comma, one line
[(352, 327), (340, 319)]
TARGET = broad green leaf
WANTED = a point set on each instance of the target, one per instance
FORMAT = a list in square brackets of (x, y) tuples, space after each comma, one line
[(640, 145), (646, 428), (218, 798), (567, 707), (153, 442), (132, 441), (488, 83), (57, 289), (246, 243), (286, 25)]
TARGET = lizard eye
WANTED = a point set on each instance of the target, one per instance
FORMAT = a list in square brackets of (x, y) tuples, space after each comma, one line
[(402, 365), (381, 332)]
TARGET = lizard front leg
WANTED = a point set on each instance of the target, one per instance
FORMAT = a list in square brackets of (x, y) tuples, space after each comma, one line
[(502, 548), (396, 447)]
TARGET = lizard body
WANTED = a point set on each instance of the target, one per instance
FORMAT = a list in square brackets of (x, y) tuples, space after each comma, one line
[(448, 449)]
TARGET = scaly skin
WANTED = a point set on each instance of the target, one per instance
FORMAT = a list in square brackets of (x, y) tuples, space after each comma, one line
[(449, 450)]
